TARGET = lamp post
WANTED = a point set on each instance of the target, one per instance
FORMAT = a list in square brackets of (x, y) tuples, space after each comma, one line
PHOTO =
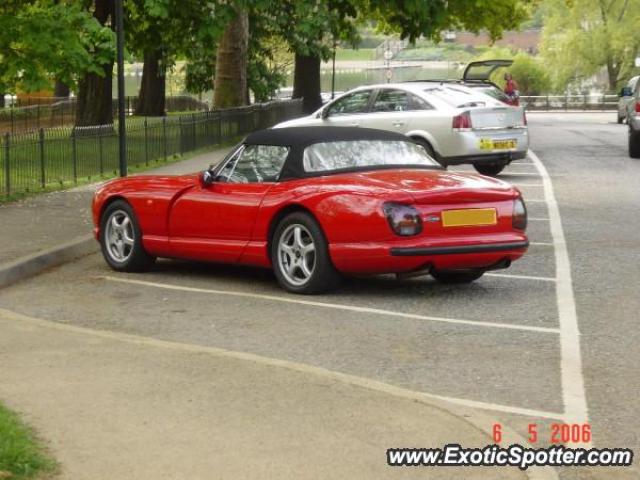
[(388, 55), (122, 132), (333, 71)]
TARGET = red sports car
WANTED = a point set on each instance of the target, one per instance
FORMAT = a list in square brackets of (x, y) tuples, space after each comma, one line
[(315, 203)]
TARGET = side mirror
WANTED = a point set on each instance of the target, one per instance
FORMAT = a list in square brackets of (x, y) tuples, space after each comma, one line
[(324, 114), (207, 178), (626, 92)]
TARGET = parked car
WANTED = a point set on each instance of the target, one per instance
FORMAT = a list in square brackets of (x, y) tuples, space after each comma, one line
[(627, 98), (633, 120), (315, 203), (454, 123)]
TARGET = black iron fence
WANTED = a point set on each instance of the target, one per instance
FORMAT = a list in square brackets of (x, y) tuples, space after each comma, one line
[(32, 113), (63, 156)]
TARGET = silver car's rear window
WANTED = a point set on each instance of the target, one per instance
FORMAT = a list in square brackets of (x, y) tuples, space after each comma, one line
[(456, 97), (328, 156)]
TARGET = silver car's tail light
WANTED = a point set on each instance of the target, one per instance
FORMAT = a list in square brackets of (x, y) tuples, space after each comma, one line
[(637, 109), (519, 219), (404, 220), (462, 122)]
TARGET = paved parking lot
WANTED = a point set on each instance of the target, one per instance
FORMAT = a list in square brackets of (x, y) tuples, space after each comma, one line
[(553, 338)]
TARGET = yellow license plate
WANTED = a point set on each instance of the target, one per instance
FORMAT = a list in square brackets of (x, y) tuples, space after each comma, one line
[(491, 144), (469, 216)]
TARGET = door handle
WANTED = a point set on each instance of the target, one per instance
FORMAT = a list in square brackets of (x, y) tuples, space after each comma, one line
[(397, 124), (354, 124)]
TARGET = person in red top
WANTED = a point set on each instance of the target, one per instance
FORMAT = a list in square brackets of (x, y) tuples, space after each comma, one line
[(511, 90)]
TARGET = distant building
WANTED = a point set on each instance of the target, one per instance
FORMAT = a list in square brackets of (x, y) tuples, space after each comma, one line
[(527, 40)]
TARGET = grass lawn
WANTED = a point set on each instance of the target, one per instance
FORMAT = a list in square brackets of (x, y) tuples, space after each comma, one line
[(345, 54), (20, 454)]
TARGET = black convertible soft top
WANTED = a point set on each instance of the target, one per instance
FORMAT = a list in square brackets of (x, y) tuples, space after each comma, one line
[(305, 136), (298, 138)]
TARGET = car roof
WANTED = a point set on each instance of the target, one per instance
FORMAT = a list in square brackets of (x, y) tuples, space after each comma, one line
[(305, 136), (298, 138)]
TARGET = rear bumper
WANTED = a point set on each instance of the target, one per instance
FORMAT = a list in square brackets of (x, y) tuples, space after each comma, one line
[(454, 249), (506, 157), (407, 256), (464, 147)]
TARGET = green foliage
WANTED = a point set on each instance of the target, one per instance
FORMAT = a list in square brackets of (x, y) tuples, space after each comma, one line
[(530, 73), (43, 40), (20, 455), (415, 18), (583, 36)]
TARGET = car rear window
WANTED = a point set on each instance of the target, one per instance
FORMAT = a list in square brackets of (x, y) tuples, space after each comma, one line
[(456, 97), (330, 156)]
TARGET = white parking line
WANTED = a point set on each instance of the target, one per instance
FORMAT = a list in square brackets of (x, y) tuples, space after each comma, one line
[(532, 174), (336, 306), (573, 391), (276, 362), (521, 277), (541, 244)]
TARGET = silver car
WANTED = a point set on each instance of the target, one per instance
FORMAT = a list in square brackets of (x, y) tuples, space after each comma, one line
[(633, 120), (627, 98), (454, 123)]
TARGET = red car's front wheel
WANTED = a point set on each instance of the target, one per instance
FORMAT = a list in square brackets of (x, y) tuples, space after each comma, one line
[(121, 239), (300, 255)]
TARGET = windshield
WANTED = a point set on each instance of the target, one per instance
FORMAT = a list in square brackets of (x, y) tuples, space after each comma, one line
[(328, 156)]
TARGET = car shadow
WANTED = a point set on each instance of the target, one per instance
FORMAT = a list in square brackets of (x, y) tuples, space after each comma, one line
[(263, 281)]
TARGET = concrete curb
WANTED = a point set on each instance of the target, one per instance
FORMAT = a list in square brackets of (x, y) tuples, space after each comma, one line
[(35, 263)]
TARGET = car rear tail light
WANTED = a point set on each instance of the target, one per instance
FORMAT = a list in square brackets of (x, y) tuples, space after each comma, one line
[(637, 107), (462, 122), (519, 219), (404, 220)]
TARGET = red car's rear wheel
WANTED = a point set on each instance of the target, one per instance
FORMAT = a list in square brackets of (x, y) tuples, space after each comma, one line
[(300, 256), (121, 239)]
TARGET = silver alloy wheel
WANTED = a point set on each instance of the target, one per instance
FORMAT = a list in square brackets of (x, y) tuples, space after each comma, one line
[(296, 254), (119, 236)]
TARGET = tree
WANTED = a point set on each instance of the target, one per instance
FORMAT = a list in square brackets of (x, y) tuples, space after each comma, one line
[(581, 37), (95, 104), (268, 59), (312, 27), (230, 80), (45, 40), (160, 31)]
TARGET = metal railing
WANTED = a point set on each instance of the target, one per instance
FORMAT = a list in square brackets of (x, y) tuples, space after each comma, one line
[(570, 102), (32, 113), (61, 157)]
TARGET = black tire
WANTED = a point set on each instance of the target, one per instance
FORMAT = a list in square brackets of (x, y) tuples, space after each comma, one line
[(620, 119), (634, 143), (322, 275), (490, 169), (452, 277), (134, 258), (429, 149)]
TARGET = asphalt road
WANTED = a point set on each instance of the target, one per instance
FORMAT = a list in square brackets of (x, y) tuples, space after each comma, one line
[(506, 343)]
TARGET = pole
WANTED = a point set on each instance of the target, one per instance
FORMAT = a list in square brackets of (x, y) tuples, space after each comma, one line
[(122, 132), (333, 72)]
